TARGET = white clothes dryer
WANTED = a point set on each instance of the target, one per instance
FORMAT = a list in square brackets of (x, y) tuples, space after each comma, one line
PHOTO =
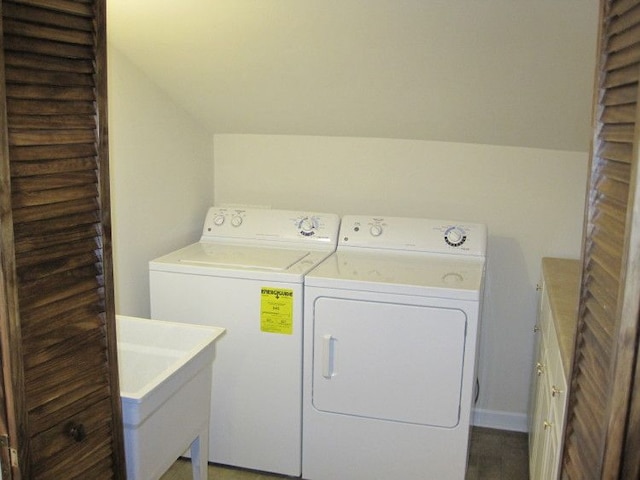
[(390, 341), (246, 274)]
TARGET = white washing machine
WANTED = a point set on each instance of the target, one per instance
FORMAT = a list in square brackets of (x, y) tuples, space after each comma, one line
[(246, 274), (390, 341)]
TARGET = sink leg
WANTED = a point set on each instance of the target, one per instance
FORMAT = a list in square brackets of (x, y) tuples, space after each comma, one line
[(199, 454)]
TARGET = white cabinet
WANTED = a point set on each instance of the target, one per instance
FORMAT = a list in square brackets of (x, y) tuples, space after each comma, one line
[(548, 399)]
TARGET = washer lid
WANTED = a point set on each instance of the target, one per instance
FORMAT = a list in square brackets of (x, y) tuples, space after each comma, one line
[(445, 276), (236, 256), (276, 259), (241, 261)]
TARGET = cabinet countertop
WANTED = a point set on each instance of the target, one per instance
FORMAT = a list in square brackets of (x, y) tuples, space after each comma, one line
[(562, 281)]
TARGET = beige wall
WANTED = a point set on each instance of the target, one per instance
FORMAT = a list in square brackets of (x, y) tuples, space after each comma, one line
[(161, 175), (531, 200), (496, 72)]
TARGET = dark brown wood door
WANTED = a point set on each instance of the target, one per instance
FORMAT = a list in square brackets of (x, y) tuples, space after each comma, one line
[(599, 406), (58, 317)]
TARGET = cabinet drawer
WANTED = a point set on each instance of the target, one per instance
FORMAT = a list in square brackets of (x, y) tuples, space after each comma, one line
[(545, 319), (557, 385)]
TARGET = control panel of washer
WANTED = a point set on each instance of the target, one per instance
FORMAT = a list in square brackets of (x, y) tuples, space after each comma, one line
[(270, 224), (413, 234)]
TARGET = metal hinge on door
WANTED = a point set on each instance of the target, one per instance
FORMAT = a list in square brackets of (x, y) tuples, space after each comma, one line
[(8, 458)]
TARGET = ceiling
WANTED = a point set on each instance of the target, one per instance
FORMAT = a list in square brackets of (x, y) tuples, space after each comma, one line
[(501, 72)]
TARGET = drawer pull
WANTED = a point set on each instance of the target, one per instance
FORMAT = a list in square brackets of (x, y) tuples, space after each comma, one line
[(539, 368), (76, 431), (555, 391), (547, 425)]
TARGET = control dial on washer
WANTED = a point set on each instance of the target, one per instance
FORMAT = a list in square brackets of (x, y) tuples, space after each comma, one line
[(375, 230), (236, 220), (455, 236), (218, 220), (452, 278), (307, 226)]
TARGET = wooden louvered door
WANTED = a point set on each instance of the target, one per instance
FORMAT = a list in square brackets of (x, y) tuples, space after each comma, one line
[(606, 344), (57, 318)]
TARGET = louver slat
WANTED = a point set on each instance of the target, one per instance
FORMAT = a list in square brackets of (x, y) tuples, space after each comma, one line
[(54, 166), (54, 196), (53, 102), (62, 210), (620, 152), (50, 152), (48, 17), (29, 29), (73, 8), (621, 95), (618, 133), (623, 58), (619, 114), (75, 231), (621, 76), (77, 294)]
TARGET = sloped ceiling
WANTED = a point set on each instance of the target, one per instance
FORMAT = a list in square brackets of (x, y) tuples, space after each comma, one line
[(501, 72)]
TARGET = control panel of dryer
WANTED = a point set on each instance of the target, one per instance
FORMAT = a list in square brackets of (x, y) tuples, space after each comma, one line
[(272, 225), (413, 234)]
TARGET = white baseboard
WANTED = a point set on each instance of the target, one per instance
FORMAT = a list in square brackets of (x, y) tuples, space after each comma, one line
[(516, 422)]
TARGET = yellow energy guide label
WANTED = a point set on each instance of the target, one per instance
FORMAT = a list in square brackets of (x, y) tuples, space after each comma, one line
[(276, 310)]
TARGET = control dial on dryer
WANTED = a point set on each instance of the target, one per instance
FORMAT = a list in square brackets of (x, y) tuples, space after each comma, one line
[(307, 226), (455, 236), (236, 220)]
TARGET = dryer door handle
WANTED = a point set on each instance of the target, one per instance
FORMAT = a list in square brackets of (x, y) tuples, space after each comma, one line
[(328, 353)]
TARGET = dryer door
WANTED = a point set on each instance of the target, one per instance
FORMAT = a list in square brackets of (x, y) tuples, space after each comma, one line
[(388, 361)]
